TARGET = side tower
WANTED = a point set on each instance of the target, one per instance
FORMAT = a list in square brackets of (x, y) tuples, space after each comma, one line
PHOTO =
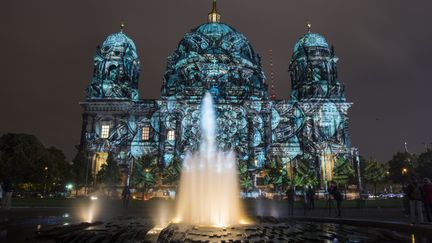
[(316, 89), (116, 70), (108, 126)]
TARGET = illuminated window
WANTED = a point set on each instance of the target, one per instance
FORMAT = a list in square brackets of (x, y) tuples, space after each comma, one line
[(105, 131), (145, 135), (171, 135)]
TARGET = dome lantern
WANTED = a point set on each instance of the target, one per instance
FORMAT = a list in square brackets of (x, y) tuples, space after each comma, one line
[(214, 16), (310, 40), (122, 25), (309, 26)]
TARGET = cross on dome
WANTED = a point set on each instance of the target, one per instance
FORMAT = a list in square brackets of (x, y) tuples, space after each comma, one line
[(309, 26), (122, 25)]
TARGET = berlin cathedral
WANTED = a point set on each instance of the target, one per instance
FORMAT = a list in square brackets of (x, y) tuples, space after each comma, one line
[(214, 57)]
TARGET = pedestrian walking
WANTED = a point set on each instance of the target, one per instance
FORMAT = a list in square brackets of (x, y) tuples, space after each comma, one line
[(290, 193), (7, 197), (337, 196), (427, 197), (1, 192), (415, 197), (305, 198), (311, 197), (126, 197), (405, 201)]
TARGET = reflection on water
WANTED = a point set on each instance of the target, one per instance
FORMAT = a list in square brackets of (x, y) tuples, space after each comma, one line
[(22, 229), (288, 232)]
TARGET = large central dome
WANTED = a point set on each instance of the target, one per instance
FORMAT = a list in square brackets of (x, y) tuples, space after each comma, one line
[(216, 57)]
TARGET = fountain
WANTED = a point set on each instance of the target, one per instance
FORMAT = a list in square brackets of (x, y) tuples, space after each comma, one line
[(209, 202), (209, 187)]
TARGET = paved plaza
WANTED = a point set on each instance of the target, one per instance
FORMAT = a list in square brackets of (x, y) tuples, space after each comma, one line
[(21, 222)]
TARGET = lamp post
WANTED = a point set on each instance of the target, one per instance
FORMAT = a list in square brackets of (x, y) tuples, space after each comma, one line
[(45, 181), (404, 173), (144, 194)]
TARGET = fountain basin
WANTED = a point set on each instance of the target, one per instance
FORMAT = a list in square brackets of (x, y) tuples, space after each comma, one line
[(269, 229)]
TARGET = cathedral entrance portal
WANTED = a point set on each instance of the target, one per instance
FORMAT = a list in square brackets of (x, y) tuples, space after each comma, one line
[(99, 159)]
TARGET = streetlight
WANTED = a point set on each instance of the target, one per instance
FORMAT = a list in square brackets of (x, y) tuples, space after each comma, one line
[(404, 172), (146, 170), (46, 178), (69, 186)]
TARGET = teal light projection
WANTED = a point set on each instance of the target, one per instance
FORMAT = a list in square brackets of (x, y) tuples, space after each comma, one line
[(116, 69), (217, 58)]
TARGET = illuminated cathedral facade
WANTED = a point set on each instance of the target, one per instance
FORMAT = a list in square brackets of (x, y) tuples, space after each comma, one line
[(216, 58)]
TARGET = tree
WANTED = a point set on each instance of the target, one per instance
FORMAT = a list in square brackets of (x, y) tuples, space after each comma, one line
[(276, 174), (342, 171), (305, 175), (109, 174), (24, 159), (399, 162), (145, 173), (171, 174), (58, 169), (246, 182), (79, 169), (424, 167), (374, 173), (30, 166)]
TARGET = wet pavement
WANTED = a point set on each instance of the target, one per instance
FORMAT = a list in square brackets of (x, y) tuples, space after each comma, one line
[(20, 224)]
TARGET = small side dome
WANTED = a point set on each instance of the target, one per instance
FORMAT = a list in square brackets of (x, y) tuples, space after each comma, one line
[(118, 40), (116, 69), (310, 40)]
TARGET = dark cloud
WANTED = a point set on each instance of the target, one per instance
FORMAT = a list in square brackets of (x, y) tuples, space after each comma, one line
[(384, 48)]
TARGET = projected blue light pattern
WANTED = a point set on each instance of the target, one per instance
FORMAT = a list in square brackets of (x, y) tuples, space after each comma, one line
[(218, 58), (313, 71), (215, 57), (310, 40), (116, 70)]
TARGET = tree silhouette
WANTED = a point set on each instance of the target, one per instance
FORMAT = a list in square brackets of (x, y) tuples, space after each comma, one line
[(23, 160), (246, 182), (145, 173), (400, 161), (171, 174), (79, 168), (305, 175), (374, 173), (276, 174), (424, 167), (109, 174), (342, 171)]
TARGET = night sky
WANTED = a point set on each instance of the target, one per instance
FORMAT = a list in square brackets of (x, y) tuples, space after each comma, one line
[(47, 50)]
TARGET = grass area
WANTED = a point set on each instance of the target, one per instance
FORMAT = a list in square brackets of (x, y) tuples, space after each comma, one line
[(71, 202)]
